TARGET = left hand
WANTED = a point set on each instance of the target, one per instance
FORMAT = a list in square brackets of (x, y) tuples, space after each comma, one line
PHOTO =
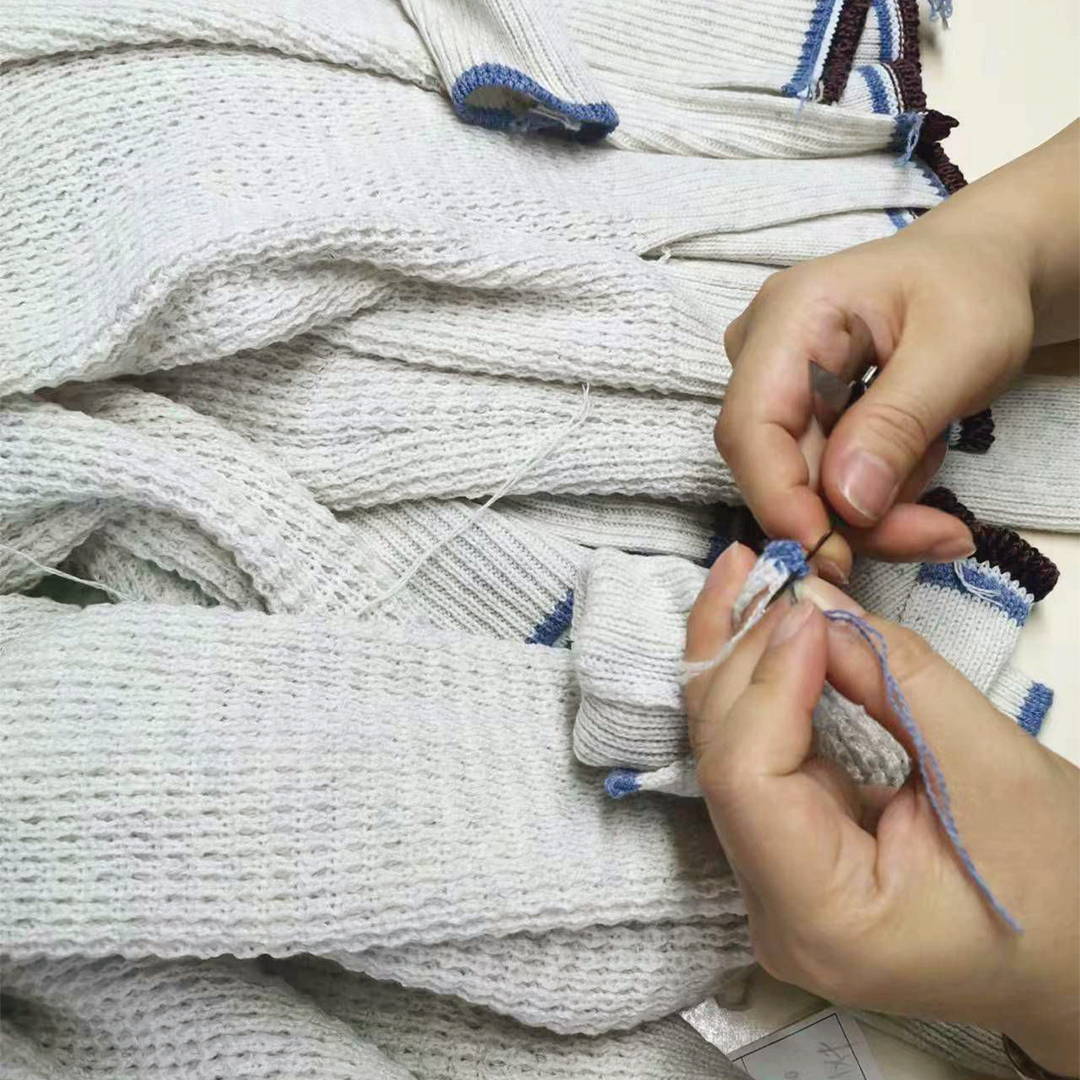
[(855, 893)]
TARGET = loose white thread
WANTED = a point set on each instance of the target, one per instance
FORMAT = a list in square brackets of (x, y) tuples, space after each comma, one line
[(549, 447), (991, 596), (53, 572)]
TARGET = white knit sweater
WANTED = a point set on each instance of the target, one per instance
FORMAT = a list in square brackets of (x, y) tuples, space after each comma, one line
[(275, 320)]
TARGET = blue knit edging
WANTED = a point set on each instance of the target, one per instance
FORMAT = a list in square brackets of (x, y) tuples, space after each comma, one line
[(899, 218), (621, 782), (553, 625), (875, 84), (799, 83), (1000, 590), (1036, 705), (789, 555), (596, 120), (882, 7), (717, 546)]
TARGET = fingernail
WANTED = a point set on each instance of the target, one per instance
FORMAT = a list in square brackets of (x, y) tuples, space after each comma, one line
[(868, 483), (831, 571), (794, 619), (720, 569), (826, 597), (947, 550)]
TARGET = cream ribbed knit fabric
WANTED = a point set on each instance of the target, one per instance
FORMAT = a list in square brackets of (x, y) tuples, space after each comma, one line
[(276, 322), (1030, 477)]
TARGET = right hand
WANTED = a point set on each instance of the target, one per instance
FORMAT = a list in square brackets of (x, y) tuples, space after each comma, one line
[(949, 322), (948, 307)]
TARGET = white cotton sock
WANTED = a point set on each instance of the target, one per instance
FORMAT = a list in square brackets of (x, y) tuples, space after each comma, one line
[(589, 981), (174, 1019), (359, 432), (327, 758), (99, 560), (791, 242), (629, 635), (134, 448), (633, 524), (1021, 698), (510, 65), (374, 37), (1030, 476), (440, 1036), (247, 271)]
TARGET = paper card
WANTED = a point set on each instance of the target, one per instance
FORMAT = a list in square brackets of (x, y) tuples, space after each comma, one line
[(829, 1045)]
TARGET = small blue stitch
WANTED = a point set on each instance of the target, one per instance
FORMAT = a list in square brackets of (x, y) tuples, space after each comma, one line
[(932, 777), (621, 782), (1008, 597), (1035, 707), (943, 10), (553, 625), (799, 84), (906, 135), (583, 122), (899, 218), (789, 555)]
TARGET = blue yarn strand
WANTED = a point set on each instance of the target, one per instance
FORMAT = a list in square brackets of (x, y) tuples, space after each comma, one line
[(929, 768)]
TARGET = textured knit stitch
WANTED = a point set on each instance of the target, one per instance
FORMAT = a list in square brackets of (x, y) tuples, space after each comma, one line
[(628, 640), (349, 314), (1030, 477), (391, 198), (1022, 698), (510, 64), (260, 715), (313, 1020)]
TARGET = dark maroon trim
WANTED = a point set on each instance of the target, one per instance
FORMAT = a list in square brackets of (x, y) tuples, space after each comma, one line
[(841, 55), (976, 433), (1001, 547), (907, 72)]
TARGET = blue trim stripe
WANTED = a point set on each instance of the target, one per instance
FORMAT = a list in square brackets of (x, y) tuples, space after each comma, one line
[(717, 546), (812, 43), (899, 218), (553, 625), (584, 122), (882, 7), (1036, 705), (1007, 597), (621, 782), (875, 84)]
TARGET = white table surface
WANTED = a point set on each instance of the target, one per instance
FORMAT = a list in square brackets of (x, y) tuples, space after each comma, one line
[(1007, 71)]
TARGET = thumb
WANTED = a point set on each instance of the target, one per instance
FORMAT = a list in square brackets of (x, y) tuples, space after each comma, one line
[(884, 437)]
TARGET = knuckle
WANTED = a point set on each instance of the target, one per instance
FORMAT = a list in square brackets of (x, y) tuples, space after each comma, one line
[(910, 657), (724, 435), (731, 337), (899, 424)]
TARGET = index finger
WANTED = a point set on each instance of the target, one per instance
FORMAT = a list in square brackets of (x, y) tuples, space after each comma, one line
[(766, 432)]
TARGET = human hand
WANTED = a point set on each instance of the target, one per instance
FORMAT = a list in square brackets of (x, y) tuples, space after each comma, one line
[(855, 893), (950, 324), (948, 308)]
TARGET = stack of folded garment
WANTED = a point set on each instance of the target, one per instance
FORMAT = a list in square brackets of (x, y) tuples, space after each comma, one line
[(320, 790)]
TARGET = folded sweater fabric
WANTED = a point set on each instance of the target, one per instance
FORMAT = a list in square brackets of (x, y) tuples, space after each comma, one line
[(315, 793)]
